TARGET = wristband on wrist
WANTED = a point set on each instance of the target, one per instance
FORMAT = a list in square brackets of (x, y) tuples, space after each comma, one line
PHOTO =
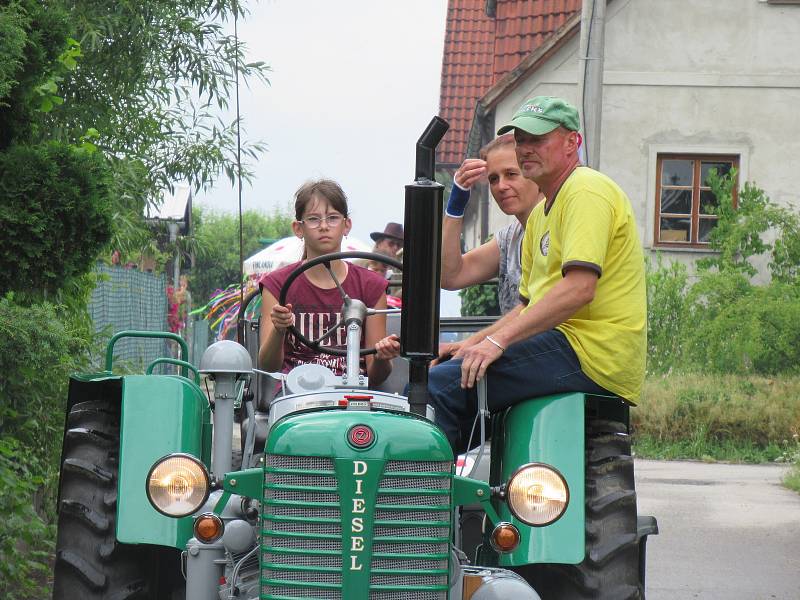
[(457, 202), (491, 340)]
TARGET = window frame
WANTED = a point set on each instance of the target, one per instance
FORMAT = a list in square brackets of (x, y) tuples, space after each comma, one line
[(697, 158)]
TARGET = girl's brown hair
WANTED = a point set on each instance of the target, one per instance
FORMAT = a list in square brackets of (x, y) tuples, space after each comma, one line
[(325, 188)]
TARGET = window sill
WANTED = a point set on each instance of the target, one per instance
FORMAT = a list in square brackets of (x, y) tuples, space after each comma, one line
[(687, 249)]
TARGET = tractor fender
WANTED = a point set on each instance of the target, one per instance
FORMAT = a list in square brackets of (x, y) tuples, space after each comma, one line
[(160, 415), (547, 430)]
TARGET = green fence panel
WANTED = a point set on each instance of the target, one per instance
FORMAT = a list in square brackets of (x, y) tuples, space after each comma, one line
[(134, 300)]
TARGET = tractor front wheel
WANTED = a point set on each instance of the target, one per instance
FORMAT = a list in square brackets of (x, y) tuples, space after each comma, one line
[(610, 570), (90, 564)]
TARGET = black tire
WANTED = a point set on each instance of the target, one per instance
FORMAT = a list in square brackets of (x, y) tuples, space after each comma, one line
[(90, 564), (610, 570)]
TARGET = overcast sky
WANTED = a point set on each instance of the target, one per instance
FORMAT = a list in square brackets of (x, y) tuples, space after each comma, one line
[(353, 84)]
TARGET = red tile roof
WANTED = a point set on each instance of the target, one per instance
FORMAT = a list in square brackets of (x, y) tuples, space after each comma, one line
[(479, 50)]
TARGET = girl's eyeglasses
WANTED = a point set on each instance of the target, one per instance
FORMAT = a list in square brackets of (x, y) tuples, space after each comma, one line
[(333, 220)]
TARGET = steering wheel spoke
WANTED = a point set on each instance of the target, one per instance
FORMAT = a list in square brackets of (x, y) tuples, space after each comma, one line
[(327, 265)]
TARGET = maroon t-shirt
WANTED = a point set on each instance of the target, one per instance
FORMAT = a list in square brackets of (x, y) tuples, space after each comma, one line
[(316, 310)]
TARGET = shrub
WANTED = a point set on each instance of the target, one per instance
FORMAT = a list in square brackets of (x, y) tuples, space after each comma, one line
[(758, 332), (666, 314), (723, 322), (39, 347), (55, 216), (479, 300)]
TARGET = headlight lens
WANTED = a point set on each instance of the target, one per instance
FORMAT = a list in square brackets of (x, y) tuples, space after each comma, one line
[(537, 494), (178, 485)]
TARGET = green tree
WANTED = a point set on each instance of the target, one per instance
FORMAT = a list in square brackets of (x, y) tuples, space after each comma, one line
[(151, 80), (217, 243)]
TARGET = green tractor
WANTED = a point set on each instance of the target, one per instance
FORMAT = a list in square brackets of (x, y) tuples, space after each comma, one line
[(333, 490)]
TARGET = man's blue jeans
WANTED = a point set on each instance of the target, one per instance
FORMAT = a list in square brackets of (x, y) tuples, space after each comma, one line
[(541, 365)]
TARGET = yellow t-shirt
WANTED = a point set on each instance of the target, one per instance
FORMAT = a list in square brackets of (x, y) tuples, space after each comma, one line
[(591, 224)]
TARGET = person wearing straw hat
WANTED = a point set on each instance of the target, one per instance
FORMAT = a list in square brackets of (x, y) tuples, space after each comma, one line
[(581, 321)]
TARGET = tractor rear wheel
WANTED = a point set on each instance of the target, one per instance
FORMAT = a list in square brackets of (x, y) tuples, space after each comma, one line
[(90, 564), (610, 570)]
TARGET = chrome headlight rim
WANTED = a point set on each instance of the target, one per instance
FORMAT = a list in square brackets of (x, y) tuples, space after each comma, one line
[(550, 468), (191, 458)]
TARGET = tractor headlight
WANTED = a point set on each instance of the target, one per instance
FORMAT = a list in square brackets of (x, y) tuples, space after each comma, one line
[(537, 494), (178, 485)]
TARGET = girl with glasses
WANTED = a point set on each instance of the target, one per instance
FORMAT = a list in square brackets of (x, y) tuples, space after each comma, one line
[(313, 302)]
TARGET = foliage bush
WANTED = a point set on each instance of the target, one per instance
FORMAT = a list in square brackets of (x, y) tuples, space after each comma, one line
[(666, 313), (757, 332), (55, 216), (40, 346), (718, 320), (479, 300)]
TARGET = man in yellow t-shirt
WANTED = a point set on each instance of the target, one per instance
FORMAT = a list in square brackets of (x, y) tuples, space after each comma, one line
[(581, 321)]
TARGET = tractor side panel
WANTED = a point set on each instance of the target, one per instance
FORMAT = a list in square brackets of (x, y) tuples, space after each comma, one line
[(160, 415), (549, 430)]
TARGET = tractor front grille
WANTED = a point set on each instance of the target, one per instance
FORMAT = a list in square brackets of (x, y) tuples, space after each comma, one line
[(302, 531)]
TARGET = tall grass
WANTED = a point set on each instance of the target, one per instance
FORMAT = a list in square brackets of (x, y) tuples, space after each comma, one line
[(718, 417)]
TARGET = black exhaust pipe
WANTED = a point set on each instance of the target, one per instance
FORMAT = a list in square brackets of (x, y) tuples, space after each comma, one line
[(422, 250)]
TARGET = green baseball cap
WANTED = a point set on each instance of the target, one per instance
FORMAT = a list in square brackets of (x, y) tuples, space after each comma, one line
[(543, 114)]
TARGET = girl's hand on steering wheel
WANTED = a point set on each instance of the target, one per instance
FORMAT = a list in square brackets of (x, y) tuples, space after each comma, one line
[(388, 348), (282, 317)]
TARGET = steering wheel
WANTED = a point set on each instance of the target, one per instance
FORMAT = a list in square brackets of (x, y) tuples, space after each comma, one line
[(325, 259)]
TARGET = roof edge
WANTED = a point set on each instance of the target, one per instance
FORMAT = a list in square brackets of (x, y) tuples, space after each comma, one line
[(531, 62), (485, 104)]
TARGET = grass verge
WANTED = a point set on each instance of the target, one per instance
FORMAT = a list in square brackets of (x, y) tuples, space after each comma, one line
[(720, 418)]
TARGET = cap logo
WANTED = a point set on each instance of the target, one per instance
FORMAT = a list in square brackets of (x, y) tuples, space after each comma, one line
[(532, 108), (361, 436)]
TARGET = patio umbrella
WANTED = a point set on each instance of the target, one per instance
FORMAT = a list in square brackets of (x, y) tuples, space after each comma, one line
[(288, 250)]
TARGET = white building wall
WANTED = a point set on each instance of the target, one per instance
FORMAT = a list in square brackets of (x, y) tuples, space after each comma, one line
[(693, 76)]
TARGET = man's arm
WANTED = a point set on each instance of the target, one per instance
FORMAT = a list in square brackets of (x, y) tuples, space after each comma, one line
[(563, 300)]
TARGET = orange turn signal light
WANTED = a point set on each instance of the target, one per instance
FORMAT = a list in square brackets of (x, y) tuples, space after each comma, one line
[(208, 528), (505, 537)]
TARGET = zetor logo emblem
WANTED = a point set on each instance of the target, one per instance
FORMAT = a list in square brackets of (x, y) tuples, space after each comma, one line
[(361, 436)]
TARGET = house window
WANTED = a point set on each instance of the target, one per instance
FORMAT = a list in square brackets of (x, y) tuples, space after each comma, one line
[(684, 201)]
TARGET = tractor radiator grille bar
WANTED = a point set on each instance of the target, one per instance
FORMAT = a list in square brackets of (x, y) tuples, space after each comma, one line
[(301, 531)]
